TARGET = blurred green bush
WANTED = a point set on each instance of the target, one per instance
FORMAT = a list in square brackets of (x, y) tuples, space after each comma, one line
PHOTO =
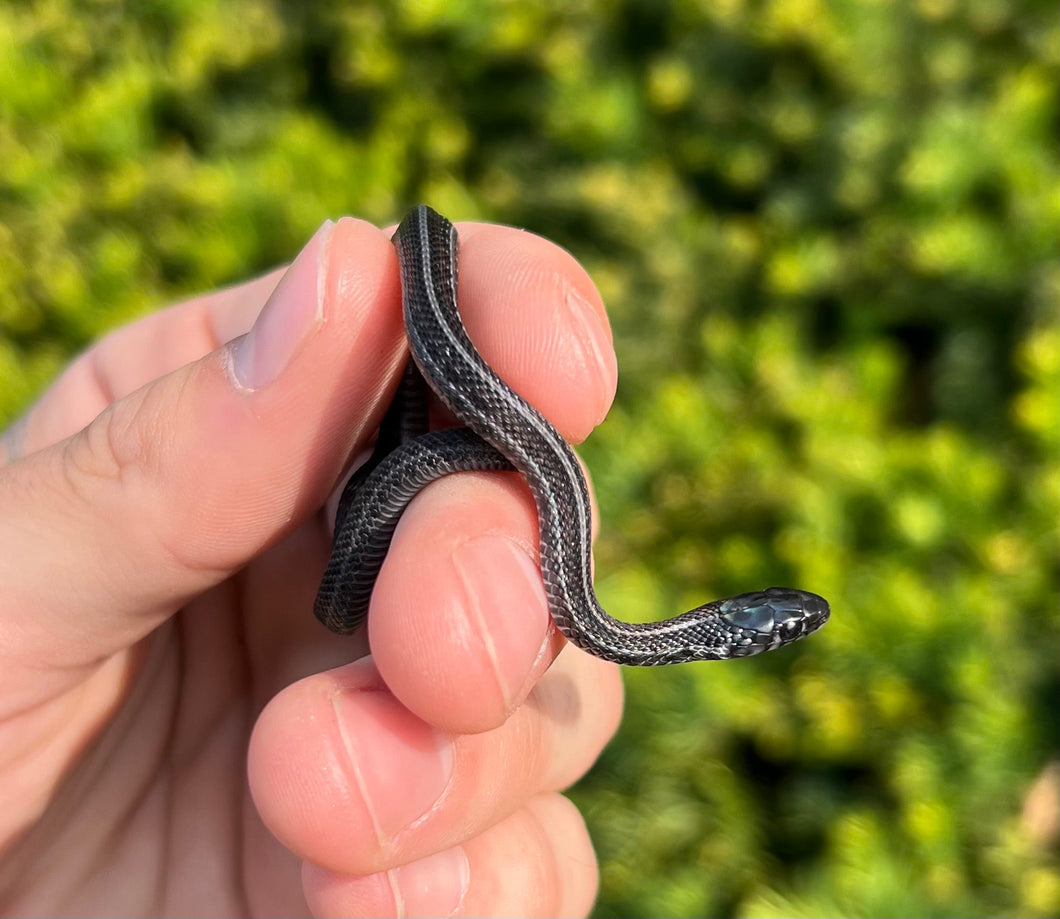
[(827, 235)]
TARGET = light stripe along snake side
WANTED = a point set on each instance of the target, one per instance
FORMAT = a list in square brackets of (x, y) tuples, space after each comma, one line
[(504, 432)]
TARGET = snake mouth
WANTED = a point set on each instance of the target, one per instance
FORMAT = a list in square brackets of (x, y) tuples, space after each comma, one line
[(813, 612)]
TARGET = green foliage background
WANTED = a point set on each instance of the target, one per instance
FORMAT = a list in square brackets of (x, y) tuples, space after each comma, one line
[(827, 236)]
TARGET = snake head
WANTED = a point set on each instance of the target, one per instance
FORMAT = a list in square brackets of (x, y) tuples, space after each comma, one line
[(771, 618)]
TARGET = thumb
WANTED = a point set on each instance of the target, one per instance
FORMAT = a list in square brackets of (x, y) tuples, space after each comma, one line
[(179, 484)]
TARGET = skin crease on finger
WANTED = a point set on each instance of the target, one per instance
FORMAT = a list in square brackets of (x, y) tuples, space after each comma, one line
[(511, 280)]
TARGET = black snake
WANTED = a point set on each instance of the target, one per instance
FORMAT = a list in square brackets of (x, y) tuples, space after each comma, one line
[(504, 432)]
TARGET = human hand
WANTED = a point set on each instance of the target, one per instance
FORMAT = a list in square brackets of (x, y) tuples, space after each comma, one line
[(161, 541)]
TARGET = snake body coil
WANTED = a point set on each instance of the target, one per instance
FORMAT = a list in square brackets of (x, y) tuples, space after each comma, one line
[(505, 432)]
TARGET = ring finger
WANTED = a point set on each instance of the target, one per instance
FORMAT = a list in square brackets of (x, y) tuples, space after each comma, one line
[(537, 862), (348, 779)]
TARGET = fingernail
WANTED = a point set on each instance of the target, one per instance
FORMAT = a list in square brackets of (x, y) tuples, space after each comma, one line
[(291, 314), (402, 765), (505, 597), (594, 336), (432, 886)]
